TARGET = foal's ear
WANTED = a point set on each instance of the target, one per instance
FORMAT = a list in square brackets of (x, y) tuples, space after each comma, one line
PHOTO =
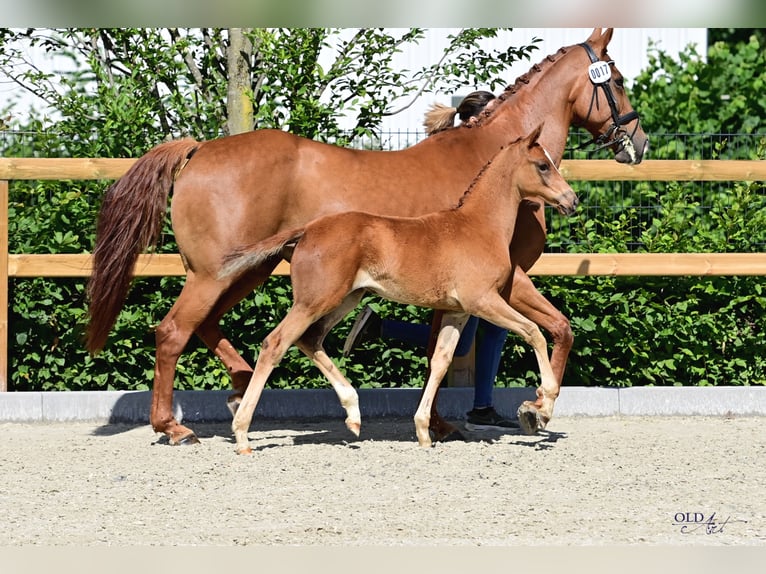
[(534, 135)]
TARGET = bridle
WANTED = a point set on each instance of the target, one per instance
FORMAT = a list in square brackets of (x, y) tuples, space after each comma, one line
[(614, 135)]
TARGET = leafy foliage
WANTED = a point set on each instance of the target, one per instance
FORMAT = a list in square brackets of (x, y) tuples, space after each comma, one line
[(138, 87), (119, 92)]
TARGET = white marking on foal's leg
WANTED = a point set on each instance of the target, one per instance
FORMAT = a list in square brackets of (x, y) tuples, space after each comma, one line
[(549, 388), (531, 417), (244, 415), (347, 395), (449, 335)]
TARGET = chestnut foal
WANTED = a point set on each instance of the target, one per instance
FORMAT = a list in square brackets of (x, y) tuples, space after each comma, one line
[(456, 260)]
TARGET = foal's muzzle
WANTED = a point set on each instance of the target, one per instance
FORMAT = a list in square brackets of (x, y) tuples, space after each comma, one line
[(568, 204)]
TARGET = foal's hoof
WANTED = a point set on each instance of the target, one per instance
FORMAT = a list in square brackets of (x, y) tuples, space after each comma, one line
[(529, 419), (354, 427)]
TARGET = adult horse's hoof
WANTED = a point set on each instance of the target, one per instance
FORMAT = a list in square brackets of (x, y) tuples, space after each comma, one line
[(442, 431), (453, 435), (189, 439), (529, 419)]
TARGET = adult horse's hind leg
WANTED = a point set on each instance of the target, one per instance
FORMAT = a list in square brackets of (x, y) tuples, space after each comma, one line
[(310, 343), (210, 331), (194, 303)]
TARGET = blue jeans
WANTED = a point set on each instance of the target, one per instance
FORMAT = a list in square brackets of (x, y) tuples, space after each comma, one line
[(489, 347)]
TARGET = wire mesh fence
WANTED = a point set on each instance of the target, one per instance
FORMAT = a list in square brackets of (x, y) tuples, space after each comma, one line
[(627, 211)]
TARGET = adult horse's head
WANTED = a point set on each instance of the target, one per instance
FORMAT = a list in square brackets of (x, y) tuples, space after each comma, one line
[(601, 105)]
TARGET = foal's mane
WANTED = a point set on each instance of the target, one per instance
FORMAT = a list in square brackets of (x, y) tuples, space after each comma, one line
[(481, 172)]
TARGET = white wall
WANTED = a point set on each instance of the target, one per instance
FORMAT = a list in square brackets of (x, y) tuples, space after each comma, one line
[(628, 48)]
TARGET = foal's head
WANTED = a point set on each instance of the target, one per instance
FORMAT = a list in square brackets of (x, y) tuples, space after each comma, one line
[(535, 174)]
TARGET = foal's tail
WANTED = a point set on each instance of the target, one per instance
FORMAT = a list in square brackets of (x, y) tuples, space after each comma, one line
[(242, 259), (129, 221)]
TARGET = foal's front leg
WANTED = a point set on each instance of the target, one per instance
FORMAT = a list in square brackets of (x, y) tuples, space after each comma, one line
[(441, 430), (533, 416), (526, 299), (449, 334)]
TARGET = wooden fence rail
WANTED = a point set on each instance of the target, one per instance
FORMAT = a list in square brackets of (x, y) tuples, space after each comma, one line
[(158, 265)]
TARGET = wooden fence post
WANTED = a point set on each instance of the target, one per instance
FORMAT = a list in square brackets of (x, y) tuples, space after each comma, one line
[(3, 285)]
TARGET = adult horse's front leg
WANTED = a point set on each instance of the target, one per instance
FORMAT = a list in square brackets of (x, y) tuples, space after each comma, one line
[(526, 299)]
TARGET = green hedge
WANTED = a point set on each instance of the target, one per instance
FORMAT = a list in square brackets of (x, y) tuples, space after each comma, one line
[(628, 331)]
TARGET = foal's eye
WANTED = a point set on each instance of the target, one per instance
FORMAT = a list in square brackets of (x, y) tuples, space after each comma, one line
[(543, 166)]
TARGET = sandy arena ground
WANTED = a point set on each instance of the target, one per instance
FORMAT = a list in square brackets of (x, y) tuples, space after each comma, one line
[(584, 481)]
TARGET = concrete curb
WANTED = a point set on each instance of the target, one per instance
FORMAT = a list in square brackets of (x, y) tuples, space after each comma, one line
[(210, 406)]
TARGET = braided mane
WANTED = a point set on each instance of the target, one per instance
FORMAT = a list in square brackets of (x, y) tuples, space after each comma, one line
[(512, 89)]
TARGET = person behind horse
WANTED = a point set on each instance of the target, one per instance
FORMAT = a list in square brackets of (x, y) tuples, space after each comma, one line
[(489, 338)]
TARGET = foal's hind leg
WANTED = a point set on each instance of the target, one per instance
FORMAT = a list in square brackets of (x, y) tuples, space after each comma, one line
[(310, 344), (274, 347)]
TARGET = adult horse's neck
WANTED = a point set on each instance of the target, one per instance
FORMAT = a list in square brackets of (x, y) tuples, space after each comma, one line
[(544, 94)]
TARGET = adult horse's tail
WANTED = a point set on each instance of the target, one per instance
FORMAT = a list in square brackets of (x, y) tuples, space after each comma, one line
[(129, 221)]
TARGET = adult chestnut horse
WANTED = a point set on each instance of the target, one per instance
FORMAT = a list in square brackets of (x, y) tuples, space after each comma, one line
[(455, 260), (237, 190)]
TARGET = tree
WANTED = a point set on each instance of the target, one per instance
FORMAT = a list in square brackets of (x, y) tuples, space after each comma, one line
[(690, 94), (734, 36), (150, 84), (239, 106), (125, 90)]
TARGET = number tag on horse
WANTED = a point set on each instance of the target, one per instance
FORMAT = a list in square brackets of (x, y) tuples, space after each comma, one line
[(599, 72)]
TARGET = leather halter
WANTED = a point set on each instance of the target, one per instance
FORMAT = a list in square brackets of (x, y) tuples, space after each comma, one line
[(614, 135)]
